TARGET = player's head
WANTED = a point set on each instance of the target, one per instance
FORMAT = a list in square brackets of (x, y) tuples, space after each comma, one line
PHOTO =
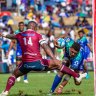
[(21, 26), (81, 33), (74, 49), (32, 25)]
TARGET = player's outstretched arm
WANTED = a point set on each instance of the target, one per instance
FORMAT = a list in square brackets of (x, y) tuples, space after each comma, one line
[(48, 50), (9, 36)]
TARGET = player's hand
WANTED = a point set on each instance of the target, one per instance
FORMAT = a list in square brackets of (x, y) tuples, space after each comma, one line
[(56, 43), (0, 34)]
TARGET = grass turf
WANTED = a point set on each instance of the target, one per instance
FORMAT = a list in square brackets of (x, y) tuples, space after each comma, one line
[(40, 83)]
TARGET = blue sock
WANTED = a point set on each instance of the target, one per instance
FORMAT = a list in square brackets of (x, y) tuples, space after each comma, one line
[(57, 80), (25, 77), (87, 77)]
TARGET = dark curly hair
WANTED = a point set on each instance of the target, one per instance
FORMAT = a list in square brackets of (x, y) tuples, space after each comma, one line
[(76, 46)]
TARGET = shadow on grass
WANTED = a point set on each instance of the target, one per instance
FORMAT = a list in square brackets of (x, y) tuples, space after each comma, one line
[(46, 94), (66, 92), (26, 95), (29, 95), (42, 94)]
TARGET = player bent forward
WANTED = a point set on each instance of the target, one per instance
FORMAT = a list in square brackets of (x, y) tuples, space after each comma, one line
[(74, 58)]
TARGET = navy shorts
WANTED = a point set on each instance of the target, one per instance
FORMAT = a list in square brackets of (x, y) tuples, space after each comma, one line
[(39, 65)]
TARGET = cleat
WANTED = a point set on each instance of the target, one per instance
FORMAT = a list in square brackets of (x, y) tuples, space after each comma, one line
[(4, 93), (79, 79), (48, 72), (26, 81), (55, 71), (87, 77), (18, 79), (50, 93)]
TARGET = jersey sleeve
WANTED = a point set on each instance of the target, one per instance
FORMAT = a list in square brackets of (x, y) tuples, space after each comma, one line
[(42, 40), (17, 36)]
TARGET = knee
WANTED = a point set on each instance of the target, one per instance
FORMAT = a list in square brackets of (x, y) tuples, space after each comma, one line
[(17, 73), (60, 74), (67, 77), (57, 64), (66, 63)]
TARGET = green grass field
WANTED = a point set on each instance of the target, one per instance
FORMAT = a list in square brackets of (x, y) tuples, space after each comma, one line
[(40, 83)]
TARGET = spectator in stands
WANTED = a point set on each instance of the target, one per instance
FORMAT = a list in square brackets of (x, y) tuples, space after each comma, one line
[(10, 29), (72, 33), (85, 22), (51, 37), (78, 23), (5, 45)]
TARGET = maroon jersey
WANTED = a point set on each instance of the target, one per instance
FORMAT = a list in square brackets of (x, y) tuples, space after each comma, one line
[(30, 44)]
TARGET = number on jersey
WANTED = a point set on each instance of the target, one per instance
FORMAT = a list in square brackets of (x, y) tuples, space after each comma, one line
[(29, 42)]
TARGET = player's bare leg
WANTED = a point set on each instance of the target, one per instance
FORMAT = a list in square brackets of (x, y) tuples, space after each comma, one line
[(11, 81), (86, 69), (63, 83), (18, 62), (63, 69), (56, 64)]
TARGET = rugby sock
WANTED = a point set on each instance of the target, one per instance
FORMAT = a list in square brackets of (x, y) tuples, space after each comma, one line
[(10, 82), (25, 77), (66, 70), (87, 76), (57, 80)]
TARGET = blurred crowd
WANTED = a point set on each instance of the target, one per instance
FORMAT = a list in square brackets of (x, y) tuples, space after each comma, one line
[(50, 16)]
